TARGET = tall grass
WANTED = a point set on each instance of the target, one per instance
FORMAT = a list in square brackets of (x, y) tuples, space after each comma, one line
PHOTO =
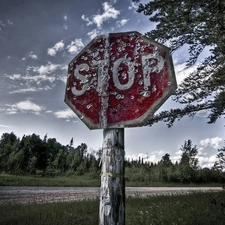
[(192, 209), (63, 181), (81, 181)]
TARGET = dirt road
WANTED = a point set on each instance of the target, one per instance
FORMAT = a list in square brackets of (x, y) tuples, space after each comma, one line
[(15, 194)]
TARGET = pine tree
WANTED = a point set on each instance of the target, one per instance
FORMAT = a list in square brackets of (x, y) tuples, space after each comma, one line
[(220, 163), (189, 153), (189, 163), (200, 25)]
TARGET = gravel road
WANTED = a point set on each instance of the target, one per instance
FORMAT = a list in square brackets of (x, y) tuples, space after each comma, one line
[(23, 194)]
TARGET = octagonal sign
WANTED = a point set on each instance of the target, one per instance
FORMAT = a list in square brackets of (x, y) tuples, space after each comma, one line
[(119, 80)]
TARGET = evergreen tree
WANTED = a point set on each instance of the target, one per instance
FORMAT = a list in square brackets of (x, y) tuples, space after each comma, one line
[(220, 164), (188, 162), (71, 142), (189, 153), (199, 25), (166, 161)]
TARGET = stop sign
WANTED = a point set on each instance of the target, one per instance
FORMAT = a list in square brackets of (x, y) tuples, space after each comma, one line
[(119, 80)]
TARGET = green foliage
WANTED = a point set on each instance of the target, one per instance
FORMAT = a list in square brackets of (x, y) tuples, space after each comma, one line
[(188, 163), (8, 147), (47, 158), (197, 25), (186, 171), (220, 163), (34, 156)]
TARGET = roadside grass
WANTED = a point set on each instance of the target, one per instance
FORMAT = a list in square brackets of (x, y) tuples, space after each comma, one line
[(60, 181), (83, 212), (83, 181), (192, 209)]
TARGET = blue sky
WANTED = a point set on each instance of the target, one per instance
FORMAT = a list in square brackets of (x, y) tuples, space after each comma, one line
[(39, 38)]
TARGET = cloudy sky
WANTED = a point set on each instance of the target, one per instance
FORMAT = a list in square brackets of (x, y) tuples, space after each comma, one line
[(37, 41)]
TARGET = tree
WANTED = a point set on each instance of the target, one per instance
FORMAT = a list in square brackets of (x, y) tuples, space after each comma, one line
[(166, 161), (71, 142), (189, 162), (199, 25), (8, 147), (189, 153), (15, 162), (220, 164)]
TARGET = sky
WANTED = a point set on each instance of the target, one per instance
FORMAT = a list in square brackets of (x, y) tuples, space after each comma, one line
[(38, 39)]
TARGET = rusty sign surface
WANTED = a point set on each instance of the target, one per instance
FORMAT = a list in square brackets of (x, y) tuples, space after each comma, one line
[(119, 80)]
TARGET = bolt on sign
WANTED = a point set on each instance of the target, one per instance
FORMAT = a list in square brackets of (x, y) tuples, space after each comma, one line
[(119, 80)]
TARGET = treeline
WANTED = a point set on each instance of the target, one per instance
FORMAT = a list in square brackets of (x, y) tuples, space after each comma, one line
[(166, 171), (187, 170), (46, 157)]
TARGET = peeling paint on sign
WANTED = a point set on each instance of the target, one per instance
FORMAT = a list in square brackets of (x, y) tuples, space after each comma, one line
[(119, 80)]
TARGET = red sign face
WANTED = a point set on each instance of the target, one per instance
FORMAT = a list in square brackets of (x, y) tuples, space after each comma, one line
[(119, 80)]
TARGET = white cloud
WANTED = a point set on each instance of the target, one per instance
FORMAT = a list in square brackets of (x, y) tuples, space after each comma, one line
[(153, 157), (65, 17), (92, 34), (86, 19), (46, 69), (211, 142), (75, 46), (51, 51), (133, 6), (28, 105), (4, 126), (37, 78), (122, 22), (32, 55), (5, 23), (59, 46), (24, 106), (207, 161), (56, 48), (15, 77), (25, 90), (202, 152), (156, 156), (109, 12), (65, 114)]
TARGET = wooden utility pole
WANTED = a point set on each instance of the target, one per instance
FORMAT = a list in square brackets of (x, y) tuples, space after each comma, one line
[(112, 194)]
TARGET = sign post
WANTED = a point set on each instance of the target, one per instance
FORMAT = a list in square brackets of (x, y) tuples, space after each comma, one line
[(118, 80), (112, 193)]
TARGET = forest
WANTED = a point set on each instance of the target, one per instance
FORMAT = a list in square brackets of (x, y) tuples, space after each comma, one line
[(48, 158)]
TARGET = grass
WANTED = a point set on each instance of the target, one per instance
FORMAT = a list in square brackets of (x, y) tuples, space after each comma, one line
[(71, 181), (81, 181), (84, 212), (193, 209)]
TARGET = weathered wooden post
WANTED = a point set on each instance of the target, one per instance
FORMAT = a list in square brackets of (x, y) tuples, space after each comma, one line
[(112, 193), (118, 80)]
